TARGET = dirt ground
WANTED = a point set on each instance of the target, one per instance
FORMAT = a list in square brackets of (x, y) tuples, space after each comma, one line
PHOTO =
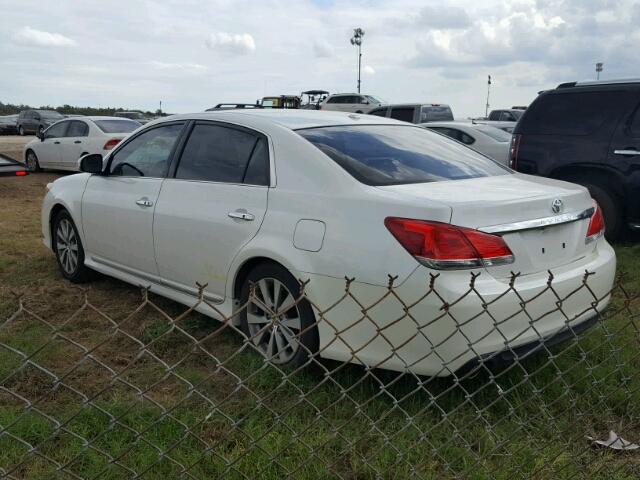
[(12, 145)]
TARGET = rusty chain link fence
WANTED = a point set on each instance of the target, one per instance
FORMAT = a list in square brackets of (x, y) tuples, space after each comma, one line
[(152, 394)]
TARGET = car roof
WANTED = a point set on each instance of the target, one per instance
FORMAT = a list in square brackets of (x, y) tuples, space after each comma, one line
[(445, 123), (595, 83), (293, 119)]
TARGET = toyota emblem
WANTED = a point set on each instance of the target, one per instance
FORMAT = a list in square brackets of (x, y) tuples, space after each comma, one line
[(556, 206)]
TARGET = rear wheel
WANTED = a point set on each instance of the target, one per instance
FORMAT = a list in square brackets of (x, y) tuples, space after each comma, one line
[(275, 319), (609, 203), (32, 162), (21, 131)]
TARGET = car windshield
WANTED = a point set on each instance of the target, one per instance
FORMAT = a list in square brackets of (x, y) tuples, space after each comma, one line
[(435, 113), (391, 155), (373, 99), (117, 126), (50, 114), (495, 133)]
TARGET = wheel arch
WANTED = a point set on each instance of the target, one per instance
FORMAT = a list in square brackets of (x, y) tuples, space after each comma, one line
[(53, 213), (246, 267), (599, 175)]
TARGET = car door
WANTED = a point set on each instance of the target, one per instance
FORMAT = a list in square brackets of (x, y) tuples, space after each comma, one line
[(212, 207), (624, 151), (117, 207), (73, 144), (49, 151)]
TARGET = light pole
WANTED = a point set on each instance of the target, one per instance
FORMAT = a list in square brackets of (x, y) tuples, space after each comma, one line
[(356, 40), (599, 66), (486, 108)]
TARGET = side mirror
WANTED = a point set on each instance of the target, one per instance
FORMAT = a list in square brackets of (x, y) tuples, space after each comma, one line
[(365, 102), (91, 163)]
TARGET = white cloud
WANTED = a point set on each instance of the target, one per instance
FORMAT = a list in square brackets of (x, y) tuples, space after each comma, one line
[(368, 70), (323, 49), (40, 38), (185, 67), (238, 44)]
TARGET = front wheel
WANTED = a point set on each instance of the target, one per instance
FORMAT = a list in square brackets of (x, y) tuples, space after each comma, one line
[(68, 248), (279, 322), (21, 131)]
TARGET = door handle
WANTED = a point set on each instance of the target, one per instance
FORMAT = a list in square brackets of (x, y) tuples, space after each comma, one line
[(241, 215), (626, 152), (56, 143), (144, 202), (77, 141)]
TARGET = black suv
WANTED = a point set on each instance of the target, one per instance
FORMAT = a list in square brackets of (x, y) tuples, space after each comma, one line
[(587, 133)]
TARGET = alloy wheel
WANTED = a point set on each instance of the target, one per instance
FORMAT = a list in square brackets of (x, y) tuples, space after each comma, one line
[(67, 246), (273, 320)]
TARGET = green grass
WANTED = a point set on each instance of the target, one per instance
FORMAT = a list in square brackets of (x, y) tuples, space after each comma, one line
[(220, 413)]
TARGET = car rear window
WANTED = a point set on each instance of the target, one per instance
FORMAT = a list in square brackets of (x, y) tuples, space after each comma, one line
[(391, 155), (435, 113), (570, 113), (117, 126), (495, 133)]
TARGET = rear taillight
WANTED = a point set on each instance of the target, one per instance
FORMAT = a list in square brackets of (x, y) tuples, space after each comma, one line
[(111, 143), (21, 173), (442, 246), (513, 151), (596, 224)]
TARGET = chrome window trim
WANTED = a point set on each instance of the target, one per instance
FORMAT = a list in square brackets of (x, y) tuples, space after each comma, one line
[(539, 222)]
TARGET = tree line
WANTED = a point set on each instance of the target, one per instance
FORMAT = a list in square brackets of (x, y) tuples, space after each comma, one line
[(10, 109)]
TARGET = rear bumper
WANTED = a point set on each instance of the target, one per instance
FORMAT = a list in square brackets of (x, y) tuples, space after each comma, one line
[(437, 325), (512, 355)]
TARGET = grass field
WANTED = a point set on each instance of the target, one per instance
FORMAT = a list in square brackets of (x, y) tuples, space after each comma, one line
[(220, 410)]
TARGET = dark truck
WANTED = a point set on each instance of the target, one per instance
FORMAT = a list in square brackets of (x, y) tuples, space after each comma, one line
[(587, 133)]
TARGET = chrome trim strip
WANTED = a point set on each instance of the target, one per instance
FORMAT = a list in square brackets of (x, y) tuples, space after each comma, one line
[(158, 281), (538, 222)]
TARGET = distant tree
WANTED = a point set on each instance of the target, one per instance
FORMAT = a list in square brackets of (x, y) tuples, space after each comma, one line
[(10, 109)]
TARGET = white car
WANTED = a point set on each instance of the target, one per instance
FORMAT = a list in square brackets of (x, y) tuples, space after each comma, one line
[(236, 198), (351, 102), (63, 143), (488, 140)]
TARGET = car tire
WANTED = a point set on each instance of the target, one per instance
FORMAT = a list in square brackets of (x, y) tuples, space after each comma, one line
[(32, 163), (67, 246), (291, 338), (21, 131), (609, 203)]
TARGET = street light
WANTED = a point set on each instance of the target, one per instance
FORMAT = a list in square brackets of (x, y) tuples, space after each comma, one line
[(599, 66), (356, 40), (486, 108)]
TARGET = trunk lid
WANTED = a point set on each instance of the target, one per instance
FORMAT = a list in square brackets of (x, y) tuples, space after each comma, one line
[(495, 204)]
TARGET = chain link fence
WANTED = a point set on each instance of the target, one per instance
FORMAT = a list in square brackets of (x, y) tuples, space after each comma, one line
[(152, 394)]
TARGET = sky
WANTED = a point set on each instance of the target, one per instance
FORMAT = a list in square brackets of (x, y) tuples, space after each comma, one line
[(193, 54)]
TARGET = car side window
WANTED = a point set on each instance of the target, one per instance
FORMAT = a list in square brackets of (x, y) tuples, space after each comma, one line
[(333, 100), (146, 155), (78, 129), (214, 153), (405, 114), (56, 131)]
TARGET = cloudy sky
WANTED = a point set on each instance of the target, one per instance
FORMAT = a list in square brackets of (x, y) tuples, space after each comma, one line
[(194, 54)]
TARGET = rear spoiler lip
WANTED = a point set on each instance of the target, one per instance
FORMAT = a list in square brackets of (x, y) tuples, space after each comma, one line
[(539, 222)]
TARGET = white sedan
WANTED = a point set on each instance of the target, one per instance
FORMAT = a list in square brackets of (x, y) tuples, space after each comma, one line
[(488, 140), (236, 198), (63, 143)]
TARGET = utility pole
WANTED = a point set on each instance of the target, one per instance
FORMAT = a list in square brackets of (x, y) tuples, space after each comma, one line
[(160, 107), (486, 108), (599, 67), (356, 40)]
